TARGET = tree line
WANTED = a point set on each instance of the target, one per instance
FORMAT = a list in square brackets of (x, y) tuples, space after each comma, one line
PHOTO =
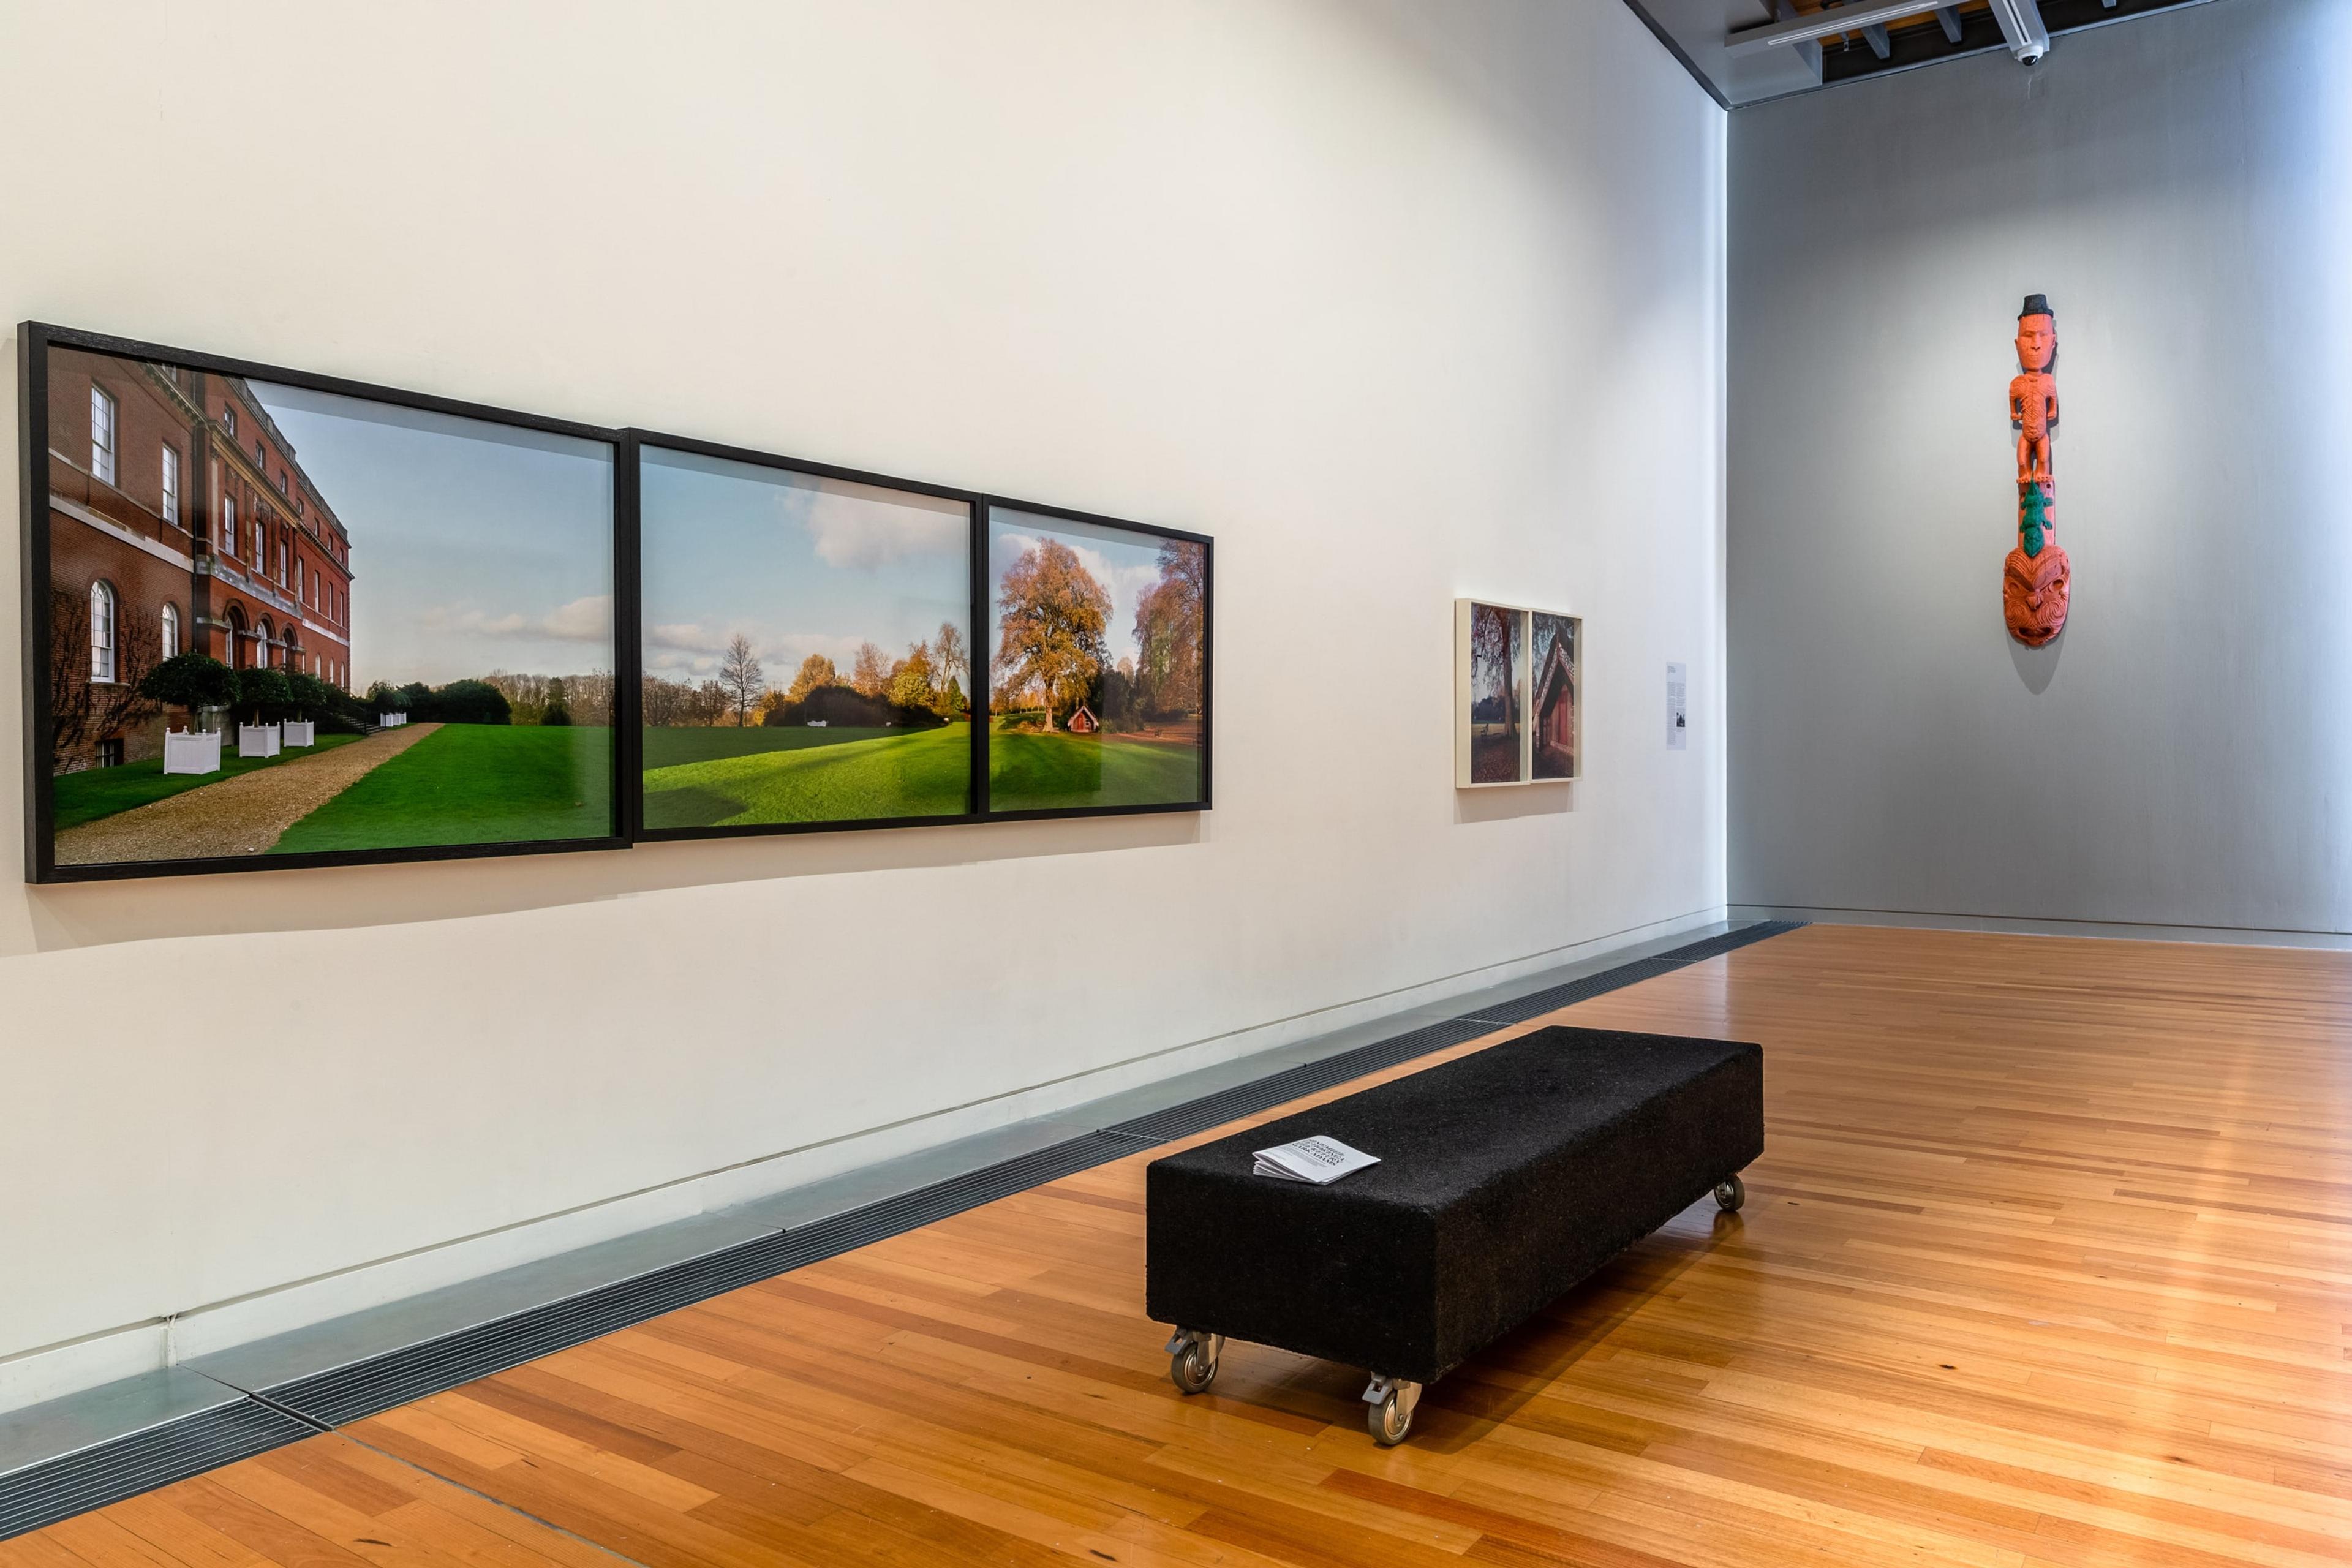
[(925, 686)]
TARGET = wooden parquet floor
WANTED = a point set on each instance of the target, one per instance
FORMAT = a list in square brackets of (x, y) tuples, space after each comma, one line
[(2049, 1262)]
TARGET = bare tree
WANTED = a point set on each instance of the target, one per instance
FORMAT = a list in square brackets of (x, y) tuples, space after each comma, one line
[(592, 697), (664, 701), (949, 657), (740, 674), (83, 711), (871, 672)]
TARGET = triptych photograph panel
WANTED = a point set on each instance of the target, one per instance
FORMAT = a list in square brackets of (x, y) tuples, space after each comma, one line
[(279, 619)]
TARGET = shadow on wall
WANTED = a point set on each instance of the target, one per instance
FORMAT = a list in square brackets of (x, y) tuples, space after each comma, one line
[(1549, 799), (95, 914), (2037, 666)]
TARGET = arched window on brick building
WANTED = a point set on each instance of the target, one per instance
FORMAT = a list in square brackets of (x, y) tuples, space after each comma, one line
[(171, 630), (102, 608)]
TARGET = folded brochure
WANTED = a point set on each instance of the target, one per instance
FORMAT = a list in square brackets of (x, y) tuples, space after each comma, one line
[(1321, 1160)]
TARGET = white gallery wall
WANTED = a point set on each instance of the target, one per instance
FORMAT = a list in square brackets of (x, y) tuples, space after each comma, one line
[(2181, 188), (1398, 301)]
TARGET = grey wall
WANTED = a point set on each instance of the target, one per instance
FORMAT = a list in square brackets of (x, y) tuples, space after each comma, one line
[(2181, 188)]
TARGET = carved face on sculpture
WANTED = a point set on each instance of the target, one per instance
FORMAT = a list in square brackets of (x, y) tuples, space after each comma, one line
[(2037, 342), (2035, 590)]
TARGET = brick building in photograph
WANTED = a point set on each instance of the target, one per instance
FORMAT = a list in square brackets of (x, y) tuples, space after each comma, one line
[(180, 521)]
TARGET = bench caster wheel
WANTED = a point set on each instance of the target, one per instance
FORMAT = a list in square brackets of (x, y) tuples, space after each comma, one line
[(1388, 1405), (1192, 1360), (1729, 1194)]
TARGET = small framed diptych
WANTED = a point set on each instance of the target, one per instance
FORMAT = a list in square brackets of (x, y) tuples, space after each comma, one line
[(1518, 707)]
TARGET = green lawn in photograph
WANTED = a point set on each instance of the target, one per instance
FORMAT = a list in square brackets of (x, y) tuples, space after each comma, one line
[(472, 784), (722, 777), (94, 793), (1033, 771)]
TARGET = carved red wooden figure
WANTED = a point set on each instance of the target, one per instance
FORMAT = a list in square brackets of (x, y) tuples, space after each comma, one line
[(2037, 579)]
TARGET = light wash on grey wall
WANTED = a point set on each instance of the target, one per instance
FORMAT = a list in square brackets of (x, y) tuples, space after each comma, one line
[(2181, 188)]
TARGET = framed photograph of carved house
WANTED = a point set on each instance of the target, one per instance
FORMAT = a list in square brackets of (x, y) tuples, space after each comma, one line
[(1555, 696), (1517, 695), (280, 619)]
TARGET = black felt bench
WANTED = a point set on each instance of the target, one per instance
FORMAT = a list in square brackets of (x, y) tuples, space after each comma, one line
[(1506, 1177)]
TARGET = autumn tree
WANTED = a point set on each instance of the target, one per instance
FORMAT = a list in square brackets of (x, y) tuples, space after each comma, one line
[(1054, 614), (1170, 623), (816, 670), (911, 683), (871, 672), (709, 703), (741, 675)]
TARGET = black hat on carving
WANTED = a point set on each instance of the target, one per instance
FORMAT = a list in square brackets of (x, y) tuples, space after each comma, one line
[(2037, 305)]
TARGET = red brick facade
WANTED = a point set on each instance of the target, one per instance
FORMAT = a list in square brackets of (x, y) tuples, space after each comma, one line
[(179, 513)]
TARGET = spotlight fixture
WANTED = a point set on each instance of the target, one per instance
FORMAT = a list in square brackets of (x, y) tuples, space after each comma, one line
[(2021, 28)]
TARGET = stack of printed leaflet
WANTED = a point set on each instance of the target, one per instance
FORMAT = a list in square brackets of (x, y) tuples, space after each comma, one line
[(1321, 1160)]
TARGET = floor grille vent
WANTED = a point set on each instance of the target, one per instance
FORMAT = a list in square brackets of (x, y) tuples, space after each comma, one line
[(1625, 974), (56, 1489), (1248, 1099), (364, 1388), (942, 1200)]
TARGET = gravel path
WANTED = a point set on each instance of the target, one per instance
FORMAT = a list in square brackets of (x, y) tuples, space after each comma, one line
[(243, 815)]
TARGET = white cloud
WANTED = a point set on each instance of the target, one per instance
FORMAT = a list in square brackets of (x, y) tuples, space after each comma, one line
[(684, 636), (868, 537), (588, 619)]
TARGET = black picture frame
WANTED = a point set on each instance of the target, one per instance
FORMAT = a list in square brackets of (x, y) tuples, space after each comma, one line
[(979, 506), (36, 341), (983, 628), (639, 440)]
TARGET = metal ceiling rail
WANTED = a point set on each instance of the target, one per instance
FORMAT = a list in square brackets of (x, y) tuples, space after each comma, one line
[(2021, 26)]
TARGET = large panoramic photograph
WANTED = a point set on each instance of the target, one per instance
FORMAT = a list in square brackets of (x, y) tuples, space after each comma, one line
[(806, 647), (284, 621), (1098, 666)]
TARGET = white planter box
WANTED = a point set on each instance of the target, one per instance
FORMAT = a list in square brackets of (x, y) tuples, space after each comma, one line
[(305, 733), (391, 721), (192, 751), (258, 740)]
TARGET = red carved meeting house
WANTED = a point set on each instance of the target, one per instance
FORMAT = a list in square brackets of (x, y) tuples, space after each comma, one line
[(180, 521)]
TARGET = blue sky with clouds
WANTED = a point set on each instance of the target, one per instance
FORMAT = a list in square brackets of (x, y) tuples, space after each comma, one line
[(797, 563), (475, 547)]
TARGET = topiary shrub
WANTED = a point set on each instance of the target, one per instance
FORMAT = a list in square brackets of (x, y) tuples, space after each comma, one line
[(195, 681), (266, 694)]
